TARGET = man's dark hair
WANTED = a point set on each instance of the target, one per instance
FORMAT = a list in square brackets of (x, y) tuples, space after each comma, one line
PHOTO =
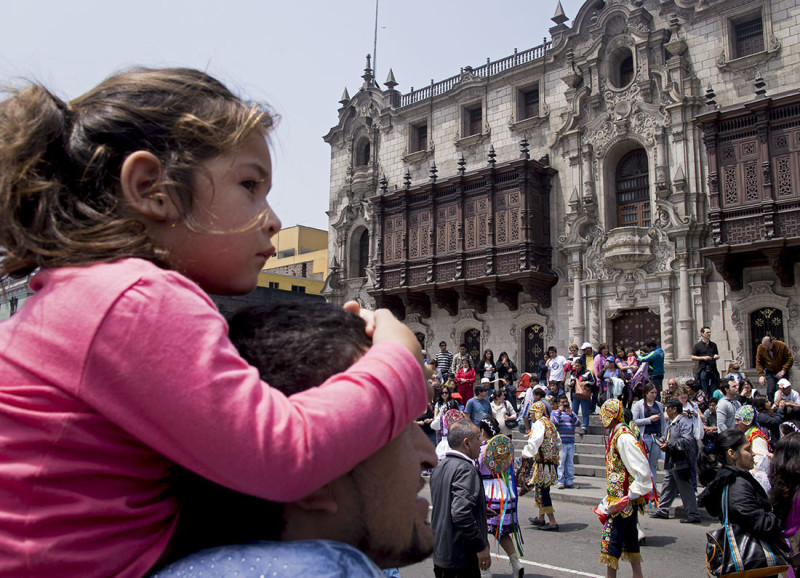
[(552, 348), (271, 338), (443, 343), (703, 328), (464, 345), (652, 344)]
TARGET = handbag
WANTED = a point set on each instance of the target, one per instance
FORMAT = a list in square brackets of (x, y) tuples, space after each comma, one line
[(511, 423), (582, 390), (733, 553)]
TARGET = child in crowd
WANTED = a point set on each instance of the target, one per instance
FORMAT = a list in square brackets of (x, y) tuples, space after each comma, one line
[(132, 203)]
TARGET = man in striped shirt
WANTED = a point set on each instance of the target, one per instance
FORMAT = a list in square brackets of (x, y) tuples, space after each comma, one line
[(565, 421), (444, 360)]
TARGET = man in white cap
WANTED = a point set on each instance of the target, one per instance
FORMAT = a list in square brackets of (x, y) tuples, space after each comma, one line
[(786, 398)]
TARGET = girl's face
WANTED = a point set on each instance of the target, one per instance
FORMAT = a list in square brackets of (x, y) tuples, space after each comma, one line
[(573, 351), (651, 395), (746, 388), (488, 355), (683, 398), (230, 241), (465, 364), (743, 457)]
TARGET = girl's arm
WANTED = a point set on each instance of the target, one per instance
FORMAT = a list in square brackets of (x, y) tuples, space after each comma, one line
[(161, 367)]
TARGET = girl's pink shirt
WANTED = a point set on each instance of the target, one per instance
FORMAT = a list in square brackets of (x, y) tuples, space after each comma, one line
[(112, 373)]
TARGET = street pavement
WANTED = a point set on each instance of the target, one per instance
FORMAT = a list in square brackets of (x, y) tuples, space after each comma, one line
[(671, 550)]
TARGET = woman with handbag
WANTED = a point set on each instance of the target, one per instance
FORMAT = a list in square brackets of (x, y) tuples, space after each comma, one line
[(750, 538), (785, 496), (583, 383), (503, 412), (648, 415)]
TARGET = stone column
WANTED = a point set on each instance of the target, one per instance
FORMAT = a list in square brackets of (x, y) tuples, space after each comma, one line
[(684, 309), (594, 321), (667, 325), (577, 305)]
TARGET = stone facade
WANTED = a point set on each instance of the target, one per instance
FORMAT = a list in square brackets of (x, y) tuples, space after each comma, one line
[(610, 103)]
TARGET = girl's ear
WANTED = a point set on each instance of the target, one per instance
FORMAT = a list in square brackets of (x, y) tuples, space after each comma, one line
[(139, 178)]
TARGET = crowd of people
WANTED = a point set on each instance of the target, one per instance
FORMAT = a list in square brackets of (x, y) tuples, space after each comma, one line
[(699, 428)]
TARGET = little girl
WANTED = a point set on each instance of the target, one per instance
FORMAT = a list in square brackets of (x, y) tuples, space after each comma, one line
[(130, 203)]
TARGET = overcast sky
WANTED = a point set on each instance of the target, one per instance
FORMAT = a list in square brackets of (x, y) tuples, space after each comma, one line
[(297, 56)]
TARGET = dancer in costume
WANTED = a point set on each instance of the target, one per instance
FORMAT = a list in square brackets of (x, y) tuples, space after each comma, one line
[(628, 487), (759, 444), (500, 487), (543, 447), (451, 416)]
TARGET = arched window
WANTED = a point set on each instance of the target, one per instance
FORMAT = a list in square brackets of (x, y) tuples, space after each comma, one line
[(362, 153), (363, 254), (632, 184), (626, 71)]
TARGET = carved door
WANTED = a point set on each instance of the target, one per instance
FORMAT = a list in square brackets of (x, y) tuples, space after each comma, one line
[(472, 338), (534, 348), (763, 322), (635, 327)]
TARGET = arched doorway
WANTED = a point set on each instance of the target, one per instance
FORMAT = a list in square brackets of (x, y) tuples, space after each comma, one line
[(534, 348)]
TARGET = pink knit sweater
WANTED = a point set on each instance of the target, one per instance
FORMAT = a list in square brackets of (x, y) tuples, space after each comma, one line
[(112, 373)]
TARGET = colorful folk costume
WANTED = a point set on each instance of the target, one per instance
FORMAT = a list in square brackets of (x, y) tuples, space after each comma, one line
[(628, 488), (759, 445), (544, 446), (450, 417), (500, 486)]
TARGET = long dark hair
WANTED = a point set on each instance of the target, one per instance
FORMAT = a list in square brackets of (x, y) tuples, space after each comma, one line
[(784, 475), (713, 456)]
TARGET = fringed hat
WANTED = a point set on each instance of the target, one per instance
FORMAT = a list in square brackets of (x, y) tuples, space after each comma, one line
[(499, 454), (538, 411), (451, 417), (746, 414), (611, 412)]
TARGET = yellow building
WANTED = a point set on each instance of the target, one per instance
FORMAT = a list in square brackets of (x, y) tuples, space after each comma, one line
[(300, 263)]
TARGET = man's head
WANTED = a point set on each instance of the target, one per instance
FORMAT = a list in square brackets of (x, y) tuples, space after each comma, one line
[(745, 417), (538, 393), (552, 351), (652, 344), (705, 333), (375, 506), (673, 407), (462, 349), (586, 347), (785, 386), (767, 342), (672, 384), (729, 389), (464, 437), (482, 389), (443, 345), (563, 402)]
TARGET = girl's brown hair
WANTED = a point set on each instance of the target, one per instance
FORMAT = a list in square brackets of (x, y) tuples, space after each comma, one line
[(60, 199)]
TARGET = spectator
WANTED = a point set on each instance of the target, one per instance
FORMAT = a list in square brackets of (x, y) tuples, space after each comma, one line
[(710, 421), (444, 361), (734, 370), (587, 356), (462, 353), (678, 446), (785, 495), (502, 410), (769, 418), (773, 361), (706, 353), (671, 392), (648, 415), (746, 393), (565, 421), (507, 372), (786, 398), (656, 360), (759, 445), (599, 361), (486, 366), (555, 368), (441, 405), (579, 400), (479, 407), (465, 380), (727, 406), (458, 518)]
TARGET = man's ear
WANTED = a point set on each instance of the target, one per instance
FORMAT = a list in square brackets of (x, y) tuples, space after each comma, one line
[(139, 177), (322, 500)]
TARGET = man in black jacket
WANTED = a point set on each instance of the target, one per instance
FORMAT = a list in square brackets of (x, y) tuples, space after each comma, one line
[(459, 508), (678, 446)]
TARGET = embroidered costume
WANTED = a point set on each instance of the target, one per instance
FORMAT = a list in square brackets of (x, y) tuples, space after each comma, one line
[(628, 487), (759, 445), (499, 485), (544, 446)]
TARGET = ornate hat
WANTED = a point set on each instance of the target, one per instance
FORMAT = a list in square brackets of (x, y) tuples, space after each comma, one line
[(746, 414), (612, 411), (451, 417), (499, 454), (538, 410)]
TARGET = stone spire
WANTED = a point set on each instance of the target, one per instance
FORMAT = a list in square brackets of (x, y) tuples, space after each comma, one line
[(345, 98), (559, 17), (367, 76), (390, 81)]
